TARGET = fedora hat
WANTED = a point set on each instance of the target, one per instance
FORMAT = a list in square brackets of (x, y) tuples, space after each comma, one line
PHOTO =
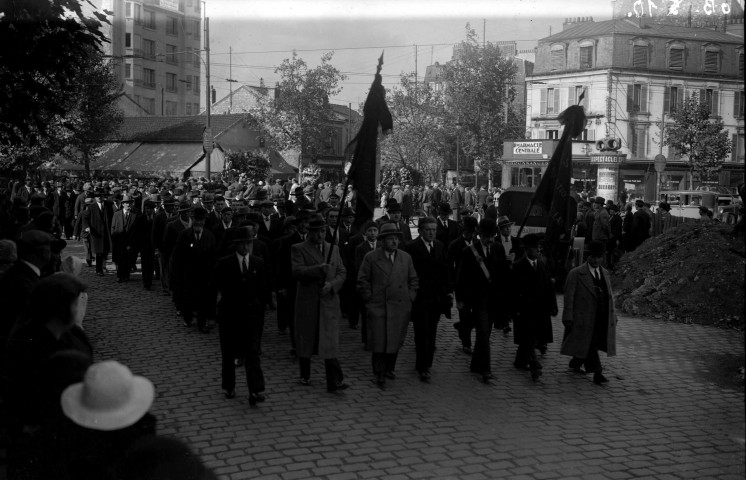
[(243, 234), (599, 200), (389, 228), (596, 249), (185, 206), (393, 206), (444, 208), (108, 398), (316, 222), (504, 221), (126, 199)]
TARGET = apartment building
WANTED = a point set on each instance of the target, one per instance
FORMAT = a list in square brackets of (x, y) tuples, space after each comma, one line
[(156, 47), (634, 73)]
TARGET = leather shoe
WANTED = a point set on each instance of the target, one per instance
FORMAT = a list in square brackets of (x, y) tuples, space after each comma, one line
[(338, 387), (380, 382), (487, 376), (425, 376), (187, 324), (390, 375), (535, 373), (255, 398), (230, 394), (519, 366), (305, 382), (467, 350), (598, 378)]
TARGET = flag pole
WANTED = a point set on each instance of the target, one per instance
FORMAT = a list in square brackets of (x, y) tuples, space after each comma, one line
[(561, 143), (347, 182)]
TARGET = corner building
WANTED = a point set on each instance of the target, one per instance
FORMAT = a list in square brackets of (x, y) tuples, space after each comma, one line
[(635, 73)]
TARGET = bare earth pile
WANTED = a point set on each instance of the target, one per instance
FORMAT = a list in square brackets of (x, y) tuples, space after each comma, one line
[(693, 273)]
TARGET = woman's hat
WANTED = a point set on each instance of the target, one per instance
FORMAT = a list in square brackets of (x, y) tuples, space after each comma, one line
[(108, 398), (389, 228)]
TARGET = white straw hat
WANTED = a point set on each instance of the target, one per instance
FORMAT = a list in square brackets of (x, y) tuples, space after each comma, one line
[(108, 398)]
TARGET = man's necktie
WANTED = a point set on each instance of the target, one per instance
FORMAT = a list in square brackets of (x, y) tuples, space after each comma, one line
[(391, 258), (245, 266), (595, 274)]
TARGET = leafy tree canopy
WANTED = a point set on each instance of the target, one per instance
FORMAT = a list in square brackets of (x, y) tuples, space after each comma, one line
[(255, 165), (697, 136)]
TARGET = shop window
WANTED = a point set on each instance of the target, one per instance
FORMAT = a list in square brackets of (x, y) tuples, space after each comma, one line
[(637, 98), (673, 99), (525, 176), (710, 97)]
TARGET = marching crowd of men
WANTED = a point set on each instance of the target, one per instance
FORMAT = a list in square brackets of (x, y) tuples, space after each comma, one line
[(226, 261)]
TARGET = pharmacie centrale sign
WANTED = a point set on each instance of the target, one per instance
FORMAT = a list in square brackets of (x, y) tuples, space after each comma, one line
[(527, 148)]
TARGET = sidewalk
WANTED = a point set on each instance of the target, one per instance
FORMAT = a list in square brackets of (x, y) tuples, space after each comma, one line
[(661, 416)]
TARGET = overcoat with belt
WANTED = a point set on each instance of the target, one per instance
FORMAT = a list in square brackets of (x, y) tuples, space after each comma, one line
[(316, 316), (580, 313), (388, 291)]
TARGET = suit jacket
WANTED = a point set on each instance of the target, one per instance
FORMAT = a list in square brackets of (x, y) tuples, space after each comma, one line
[(123, 234), (160, 221), (98, 220), (284, 265), (401, 226), (173, 228), (243, 298), (472, 286), (448, 233), (534, 302), (218, 231), (432, 272), (453, 255), (15, 289), (275, 227), (388, 290), (192, 262)]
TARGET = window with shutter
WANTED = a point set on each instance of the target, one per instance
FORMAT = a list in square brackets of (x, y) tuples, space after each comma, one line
[(738, 98), (734, 148), (740, 64), (543, 105), (586, 57), (558, 59), (712, 61), (632, 139), (640, 56), (641, 141), (676, 59)]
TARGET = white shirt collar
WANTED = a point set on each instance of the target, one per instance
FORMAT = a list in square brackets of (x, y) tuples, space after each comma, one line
[(241, 257)]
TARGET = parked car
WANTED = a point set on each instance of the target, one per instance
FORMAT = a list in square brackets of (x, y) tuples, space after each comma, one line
[(686, 203)]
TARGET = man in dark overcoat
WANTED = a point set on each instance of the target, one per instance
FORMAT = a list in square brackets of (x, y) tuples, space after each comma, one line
[(144, 230), (174, 226), (286, 284), (160, 221), (97, 224), (192, 260), (243, 283), (317, 313), (588, 315), (447, 229), (481, 287), (465, 325), (534, 303), (433, 295), (366, 244), (124, 239), (387, 283)]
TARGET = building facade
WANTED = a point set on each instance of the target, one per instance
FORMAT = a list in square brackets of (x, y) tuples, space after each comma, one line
[(632, 74), (155, 47)]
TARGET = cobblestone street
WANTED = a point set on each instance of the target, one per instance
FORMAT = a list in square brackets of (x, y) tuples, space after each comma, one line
[(661, 416)]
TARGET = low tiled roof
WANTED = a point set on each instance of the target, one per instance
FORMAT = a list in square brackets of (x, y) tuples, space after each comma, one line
[(172, 129), (632, 27)]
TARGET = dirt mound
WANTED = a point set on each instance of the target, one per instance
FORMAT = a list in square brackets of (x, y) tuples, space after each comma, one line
[(693, 273)]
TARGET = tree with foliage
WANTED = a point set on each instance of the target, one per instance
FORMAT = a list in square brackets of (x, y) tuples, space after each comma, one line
[(480, 97), (417, 144), (97, 114), (43, 44), (297, 118), (697, 136), (255, 165)]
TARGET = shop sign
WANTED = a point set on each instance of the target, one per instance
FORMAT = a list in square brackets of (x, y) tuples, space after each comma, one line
[(170, 5), (527, 148), (606, 159)]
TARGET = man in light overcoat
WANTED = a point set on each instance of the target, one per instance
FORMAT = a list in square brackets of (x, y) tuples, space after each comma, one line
[(387, 283)]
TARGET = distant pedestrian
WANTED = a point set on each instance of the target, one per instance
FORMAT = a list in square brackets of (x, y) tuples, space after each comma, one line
[(588, 315)]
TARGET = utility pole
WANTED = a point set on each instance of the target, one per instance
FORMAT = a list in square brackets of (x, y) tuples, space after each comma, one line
[(208, 130)]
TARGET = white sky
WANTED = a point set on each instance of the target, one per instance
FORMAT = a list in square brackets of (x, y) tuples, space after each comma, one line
[(264, 32)]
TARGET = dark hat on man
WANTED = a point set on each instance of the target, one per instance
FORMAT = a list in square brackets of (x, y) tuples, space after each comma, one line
[(243, 234), (347, 212), (334, 195), (316, 222), (199, 213), (530, 241), (596, 249), (289, 220), (392, 206), (600, 200), (266, 203), (470, 223), (322, 206), (241, 210), (185, 206), (487, 227), (665, 206), (389, 228), (34, 238), (127, 199), (444, 208), (504, 221), (148, 203)]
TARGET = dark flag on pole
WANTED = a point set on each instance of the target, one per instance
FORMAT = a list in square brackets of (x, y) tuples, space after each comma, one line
[(553, 191), (362, 171)]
